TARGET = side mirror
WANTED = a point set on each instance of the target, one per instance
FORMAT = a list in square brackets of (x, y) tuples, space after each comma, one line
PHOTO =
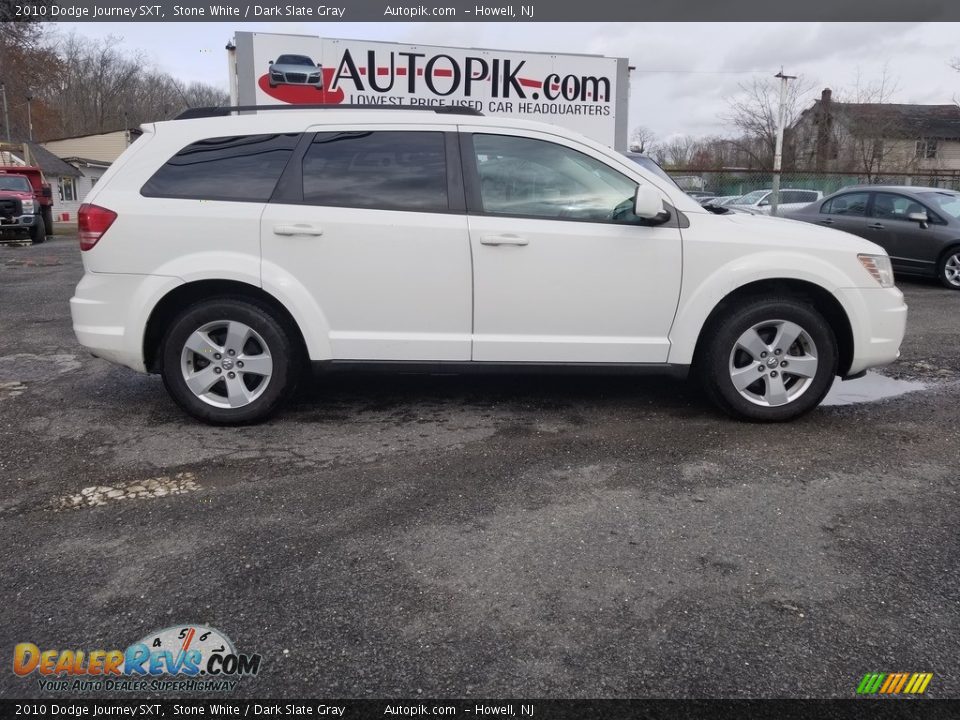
[(46, 191), (920, 217), (270, 62), (648, 204), (764, 203)]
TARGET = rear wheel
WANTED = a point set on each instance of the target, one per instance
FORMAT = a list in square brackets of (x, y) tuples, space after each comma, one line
[(769, 360), (229, 361), (38, 231), (949, 269)]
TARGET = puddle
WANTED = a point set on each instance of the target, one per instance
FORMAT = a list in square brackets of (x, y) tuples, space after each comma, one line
[(139, 489), (869, 388)]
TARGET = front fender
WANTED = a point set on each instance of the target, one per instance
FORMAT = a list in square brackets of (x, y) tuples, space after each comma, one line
[(700, 295)]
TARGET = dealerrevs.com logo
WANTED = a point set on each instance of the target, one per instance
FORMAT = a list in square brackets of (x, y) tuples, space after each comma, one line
[(180, 658)]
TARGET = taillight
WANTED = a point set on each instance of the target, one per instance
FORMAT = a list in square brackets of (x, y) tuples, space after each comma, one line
[(93, 221)]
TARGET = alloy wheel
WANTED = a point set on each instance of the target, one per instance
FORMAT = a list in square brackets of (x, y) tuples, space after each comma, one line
[(773, 363), (226, 364)]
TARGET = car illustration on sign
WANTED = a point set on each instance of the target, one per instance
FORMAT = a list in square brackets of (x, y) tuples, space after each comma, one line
[(294, 70)]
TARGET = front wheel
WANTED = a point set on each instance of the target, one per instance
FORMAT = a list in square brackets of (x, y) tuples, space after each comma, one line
[(229, 361), (949, 269), (38, 231), (769, 360)]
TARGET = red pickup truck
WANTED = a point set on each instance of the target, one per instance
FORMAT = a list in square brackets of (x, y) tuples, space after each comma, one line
[(26, 203)]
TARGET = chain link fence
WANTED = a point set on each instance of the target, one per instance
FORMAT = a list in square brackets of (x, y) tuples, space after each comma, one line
[(726, 183)]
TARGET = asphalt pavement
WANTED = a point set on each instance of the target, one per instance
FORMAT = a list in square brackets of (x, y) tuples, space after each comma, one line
[(497, 536)]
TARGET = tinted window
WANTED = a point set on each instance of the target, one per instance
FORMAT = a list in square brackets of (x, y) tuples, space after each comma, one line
[(854, 204), (389, 170), (242, 168), (294, 60), (522, 176), (890, 206)]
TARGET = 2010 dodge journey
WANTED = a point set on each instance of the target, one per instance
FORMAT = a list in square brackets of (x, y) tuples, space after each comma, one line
[(228, 252)]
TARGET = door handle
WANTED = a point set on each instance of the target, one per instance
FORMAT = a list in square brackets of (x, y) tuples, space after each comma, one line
[(828, 221), (503, 240), (875, 226), (297, 229)]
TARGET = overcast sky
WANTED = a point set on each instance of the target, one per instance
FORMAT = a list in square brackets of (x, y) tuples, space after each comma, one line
[(684, 71)]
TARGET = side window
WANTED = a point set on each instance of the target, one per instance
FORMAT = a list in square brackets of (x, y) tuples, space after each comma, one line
[(852, 204), (790, 196), (806, 196), (890, 206), (382, 170), (240, 168), (535, 178)]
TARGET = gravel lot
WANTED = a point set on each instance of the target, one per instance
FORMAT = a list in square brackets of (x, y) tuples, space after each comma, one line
[(459, 536)]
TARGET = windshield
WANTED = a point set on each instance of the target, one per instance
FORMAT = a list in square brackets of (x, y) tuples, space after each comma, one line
[(294, 60), (14, 182), (750, 198), (649, 164), (947, 203)]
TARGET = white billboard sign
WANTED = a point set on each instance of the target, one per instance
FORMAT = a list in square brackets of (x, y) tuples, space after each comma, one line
[(587, 93)]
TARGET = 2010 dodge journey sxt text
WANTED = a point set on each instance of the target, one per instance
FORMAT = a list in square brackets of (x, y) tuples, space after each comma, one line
[(228, 252)]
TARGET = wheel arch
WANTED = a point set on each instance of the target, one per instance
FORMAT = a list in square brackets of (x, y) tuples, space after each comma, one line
[(950, 247), (183, 296), (819, 297)]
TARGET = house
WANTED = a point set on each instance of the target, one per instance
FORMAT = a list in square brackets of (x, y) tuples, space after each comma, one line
[(91, 155), (61, 175), (873, 138)]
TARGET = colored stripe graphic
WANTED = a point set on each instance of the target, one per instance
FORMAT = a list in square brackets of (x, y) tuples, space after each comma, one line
[(894, 683)]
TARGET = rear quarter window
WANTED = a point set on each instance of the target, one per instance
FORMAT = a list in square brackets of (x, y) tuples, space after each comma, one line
[(239, 168)]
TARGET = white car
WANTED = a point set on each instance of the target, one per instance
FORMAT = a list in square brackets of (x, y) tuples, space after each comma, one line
[(790, 199), (228, 253)]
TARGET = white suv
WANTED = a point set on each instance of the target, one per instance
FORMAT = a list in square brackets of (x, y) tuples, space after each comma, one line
[(229, 252)]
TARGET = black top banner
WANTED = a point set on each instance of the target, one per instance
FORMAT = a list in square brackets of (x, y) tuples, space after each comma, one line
[(477, 11), (513, 709)]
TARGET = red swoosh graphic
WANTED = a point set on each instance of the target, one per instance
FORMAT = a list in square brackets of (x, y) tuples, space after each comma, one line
[(303, 94)]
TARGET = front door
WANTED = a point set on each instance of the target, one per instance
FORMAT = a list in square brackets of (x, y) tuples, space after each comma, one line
[(563, 271)]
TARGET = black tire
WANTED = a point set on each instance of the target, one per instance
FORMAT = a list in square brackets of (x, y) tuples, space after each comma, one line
[(47, 213), (950, 256), (284, 351), (715, 358), (38, 233)]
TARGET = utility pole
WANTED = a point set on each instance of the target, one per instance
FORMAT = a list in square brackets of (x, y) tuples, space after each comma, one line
[(29, 118), (6, 113), (778, 151)]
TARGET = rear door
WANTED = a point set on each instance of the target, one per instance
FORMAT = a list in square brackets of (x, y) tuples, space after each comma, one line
[(370, 220), (847, 212)]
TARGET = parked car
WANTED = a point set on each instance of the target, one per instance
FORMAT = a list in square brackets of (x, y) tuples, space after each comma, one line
[(294, 70), (21, 212), (918, 226), (790, 199), (227, 252), (719, 200)]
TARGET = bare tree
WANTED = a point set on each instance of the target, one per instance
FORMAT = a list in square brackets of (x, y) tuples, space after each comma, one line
[(679, 151), (81, 86), (754, 113), (642, 139)]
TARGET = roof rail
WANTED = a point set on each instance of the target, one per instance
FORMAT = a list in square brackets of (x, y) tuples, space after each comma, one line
[(223, 111)]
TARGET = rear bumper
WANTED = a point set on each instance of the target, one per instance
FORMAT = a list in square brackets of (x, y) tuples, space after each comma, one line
[(878, 319), (110, 313)]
